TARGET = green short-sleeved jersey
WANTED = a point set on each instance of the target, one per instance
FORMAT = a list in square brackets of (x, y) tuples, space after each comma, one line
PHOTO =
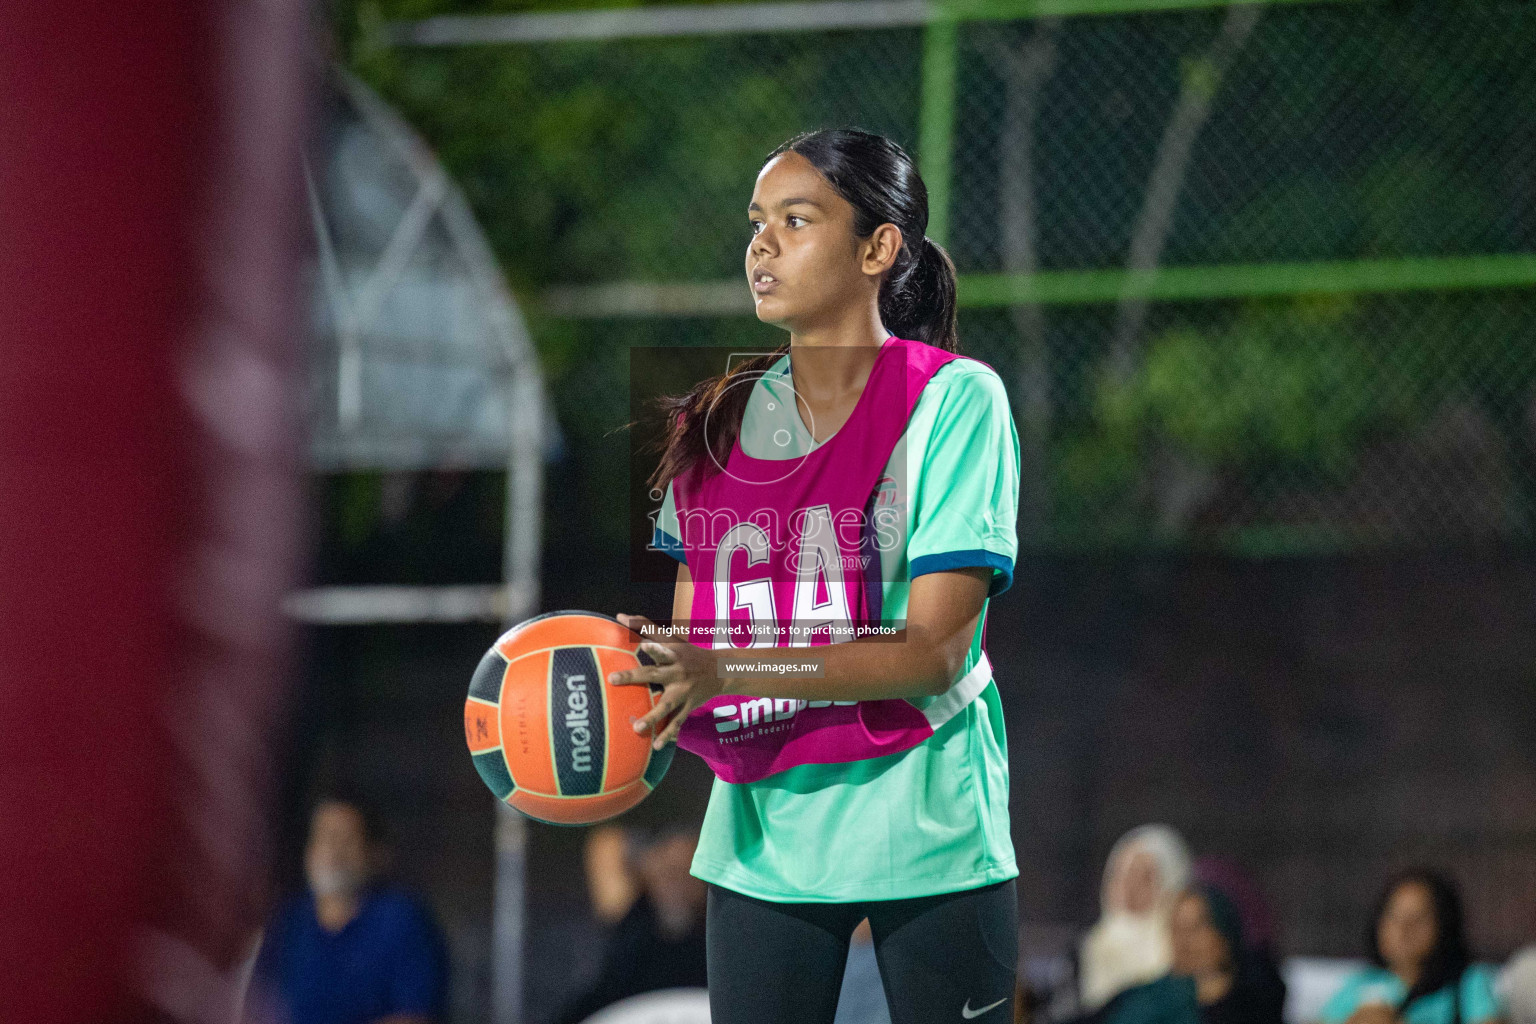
[(932, 818), (1479, 1003)]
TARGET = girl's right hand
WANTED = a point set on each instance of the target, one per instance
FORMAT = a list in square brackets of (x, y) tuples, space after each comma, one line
[(687, 674)]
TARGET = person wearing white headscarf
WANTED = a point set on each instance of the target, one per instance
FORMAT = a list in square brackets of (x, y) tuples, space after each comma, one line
[(1147, 870)]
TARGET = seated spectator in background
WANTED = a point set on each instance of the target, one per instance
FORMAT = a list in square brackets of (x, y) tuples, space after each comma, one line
[(1214, 978), (1260, 968), (1423, 972), (1517, 987), (659, 941), (1146, 871), (349, 951), (1252, 908)]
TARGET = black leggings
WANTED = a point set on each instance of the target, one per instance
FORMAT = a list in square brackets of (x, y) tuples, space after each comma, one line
[(942, 958)]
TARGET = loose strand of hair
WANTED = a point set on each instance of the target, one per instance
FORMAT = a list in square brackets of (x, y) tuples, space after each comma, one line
[(719, 402)]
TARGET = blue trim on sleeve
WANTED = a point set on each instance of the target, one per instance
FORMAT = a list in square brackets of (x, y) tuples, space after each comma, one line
[(663, 541), (975, 558)]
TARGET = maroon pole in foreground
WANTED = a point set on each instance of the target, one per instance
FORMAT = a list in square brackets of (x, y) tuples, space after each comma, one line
[(148, 493)]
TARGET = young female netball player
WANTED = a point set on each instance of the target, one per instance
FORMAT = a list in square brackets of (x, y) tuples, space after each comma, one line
[(863, 474)]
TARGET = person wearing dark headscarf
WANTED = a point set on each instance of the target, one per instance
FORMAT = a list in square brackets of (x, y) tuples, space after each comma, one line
[(1421, 971), (1259, 968), (1237, 885), (1213, 980)]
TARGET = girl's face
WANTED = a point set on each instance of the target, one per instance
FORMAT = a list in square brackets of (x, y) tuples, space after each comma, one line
[(1407, 930), (804, 263)]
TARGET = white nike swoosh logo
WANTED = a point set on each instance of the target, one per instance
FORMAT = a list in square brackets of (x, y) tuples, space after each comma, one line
[(969, 1013)]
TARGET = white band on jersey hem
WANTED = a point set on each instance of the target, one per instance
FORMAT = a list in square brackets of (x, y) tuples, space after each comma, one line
[(966, 689)]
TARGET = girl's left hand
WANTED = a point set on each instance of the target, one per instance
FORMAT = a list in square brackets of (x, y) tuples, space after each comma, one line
[(687, 674)]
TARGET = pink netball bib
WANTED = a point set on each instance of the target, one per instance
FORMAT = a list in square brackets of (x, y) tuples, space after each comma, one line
[(785, 553)]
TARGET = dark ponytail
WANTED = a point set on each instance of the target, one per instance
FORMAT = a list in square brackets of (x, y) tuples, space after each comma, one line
[(917, 295), (920, 304), (717, 401)]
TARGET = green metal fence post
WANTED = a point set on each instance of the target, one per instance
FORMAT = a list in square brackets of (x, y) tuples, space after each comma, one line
[(936, 119)]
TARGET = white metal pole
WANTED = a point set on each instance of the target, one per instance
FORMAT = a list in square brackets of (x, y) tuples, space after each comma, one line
[(525, 495)]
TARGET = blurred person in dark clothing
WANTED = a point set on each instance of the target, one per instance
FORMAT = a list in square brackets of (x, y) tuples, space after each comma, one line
[(659, 942), (1421, 970), (350, 950), (1254, 918), (1253, 909), (1215, 977)]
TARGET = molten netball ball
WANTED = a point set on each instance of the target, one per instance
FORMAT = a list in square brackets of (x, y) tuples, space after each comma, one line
[(548, 733)]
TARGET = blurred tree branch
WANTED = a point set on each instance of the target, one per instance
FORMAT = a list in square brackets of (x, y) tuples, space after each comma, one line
[(1025, 72)]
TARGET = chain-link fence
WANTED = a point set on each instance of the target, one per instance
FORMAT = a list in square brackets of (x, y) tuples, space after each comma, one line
[(1259, 276)]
